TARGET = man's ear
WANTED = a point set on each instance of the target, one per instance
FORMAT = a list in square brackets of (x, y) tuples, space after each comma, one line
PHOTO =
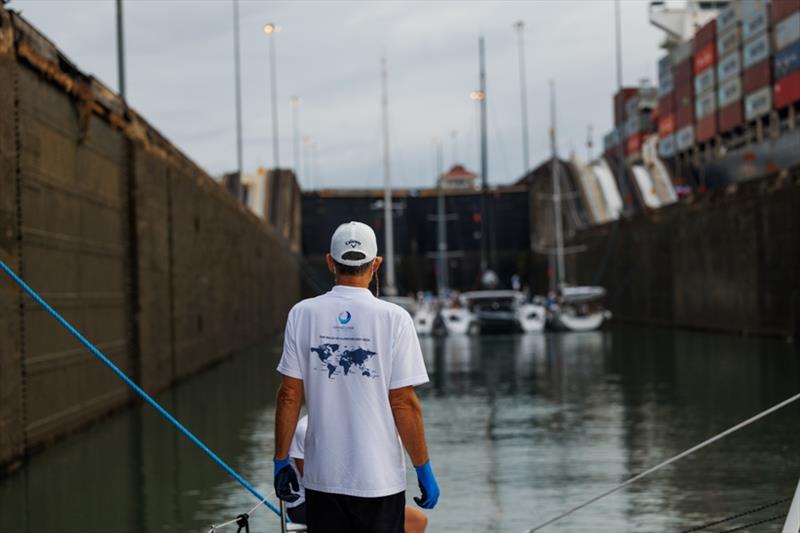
[(376, 264), (329, 262)]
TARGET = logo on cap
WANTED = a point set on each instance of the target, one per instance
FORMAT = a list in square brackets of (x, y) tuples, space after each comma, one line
[(353, 243), (344, 317)]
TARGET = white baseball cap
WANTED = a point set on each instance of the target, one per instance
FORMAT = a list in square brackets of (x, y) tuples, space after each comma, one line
[(357, 241)]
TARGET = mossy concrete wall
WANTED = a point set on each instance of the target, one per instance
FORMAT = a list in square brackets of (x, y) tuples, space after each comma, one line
[(135, 245)]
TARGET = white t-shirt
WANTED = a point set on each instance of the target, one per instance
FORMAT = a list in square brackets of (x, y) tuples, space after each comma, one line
[(350, 349), (297, 451)]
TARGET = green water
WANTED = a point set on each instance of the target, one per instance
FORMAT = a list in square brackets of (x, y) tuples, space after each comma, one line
[(520, 428)]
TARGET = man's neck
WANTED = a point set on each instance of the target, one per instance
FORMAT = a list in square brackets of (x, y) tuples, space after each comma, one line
[(360, 282)]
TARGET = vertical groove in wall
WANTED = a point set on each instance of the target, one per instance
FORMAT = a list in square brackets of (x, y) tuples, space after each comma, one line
[(132, 259), (20, 257), (170, 281)]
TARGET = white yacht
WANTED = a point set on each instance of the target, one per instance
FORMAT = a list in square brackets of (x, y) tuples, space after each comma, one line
[(424, 314), (505, 310), (578, 309)]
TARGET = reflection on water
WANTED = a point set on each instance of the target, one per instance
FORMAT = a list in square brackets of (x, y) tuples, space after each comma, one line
[(520, 427)]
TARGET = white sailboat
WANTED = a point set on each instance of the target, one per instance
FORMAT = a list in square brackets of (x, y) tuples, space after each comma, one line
[(570, 308)]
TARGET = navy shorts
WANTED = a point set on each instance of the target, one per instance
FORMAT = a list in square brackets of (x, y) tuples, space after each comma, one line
[(338, 513)]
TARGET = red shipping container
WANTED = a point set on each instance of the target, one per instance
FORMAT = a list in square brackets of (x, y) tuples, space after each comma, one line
[(684, 105), (731, 116), (705, 57), (682, 72), (622, 96), (706, 127), (757, 76), (633, 143), (666, 125), (783, 8), (706, 34), (666, 104), (787, 90)]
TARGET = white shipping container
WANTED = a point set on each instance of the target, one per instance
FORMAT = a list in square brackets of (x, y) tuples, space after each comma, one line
[(666, 146), (758, 103), (756, 51), (755, 24), (665, 66), (705, 80), (728, 41), (787, 31), (729, 16), (684, 138), (705, 104), (665, 85), (729, 66), (611, 139), (749, 7), (632, 125), (729, 92), (631, 106)]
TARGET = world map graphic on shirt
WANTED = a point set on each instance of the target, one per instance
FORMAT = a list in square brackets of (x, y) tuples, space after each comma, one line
[(349, 360)]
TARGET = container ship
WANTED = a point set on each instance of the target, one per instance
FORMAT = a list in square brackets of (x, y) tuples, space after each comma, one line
[(725, 108)]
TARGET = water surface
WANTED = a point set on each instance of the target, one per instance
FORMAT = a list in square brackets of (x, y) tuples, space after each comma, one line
[(520, 428)]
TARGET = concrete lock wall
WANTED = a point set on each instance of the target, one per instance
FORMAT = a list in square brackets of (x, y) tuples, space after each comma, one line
[(730, 261), (136, 246)]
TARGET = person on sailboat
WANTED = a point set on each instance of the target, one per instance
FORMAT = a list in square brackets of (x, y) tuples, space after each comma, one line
[(415, 520), (355, 360)]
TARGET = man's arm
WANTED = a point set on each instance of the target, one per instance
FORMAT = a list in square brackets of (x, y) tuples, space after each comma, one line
[(407, 413), (287, 412)]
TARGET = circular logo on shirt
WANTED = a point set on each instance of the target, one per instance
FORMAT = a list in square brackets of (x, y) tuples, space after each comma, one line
[(344, 317)]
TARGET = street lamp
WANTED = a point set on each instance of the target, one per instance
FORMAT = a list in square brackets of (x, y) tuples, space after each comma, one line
[(271, 29), (294, 101)]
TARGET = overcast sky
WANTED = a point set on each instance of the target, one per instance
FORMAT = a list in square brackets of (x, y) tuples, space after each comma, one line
[(180, 73)]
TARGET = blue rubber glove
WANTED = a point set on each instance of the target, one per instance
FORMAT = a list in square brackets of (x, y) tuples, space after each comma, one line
[(427, 485), (286, 484)]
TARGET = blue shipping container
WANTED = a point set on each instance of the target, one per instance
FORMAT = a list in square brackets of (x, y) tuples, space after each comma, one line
[(787, 61)]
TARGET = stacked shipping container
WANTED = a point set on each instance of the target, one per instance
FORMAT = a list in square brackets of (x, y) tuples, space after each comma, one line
[(756, 61), (666, 108), (729, 68), (786, 62), (638, 121), (705, 81), (684, 95)]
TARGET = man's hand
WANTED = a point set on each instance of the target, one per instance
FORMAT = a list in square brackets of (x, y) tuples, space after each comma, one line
[(427, 485), (286, 484)]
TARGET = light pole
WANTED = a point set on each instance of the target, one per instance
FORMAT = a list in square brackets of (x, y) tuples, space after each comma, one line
[(238, 84), (454, 138), (121, 53), (620, 135), (294, 101), (307, 161), (484, 158), (388, 223), (523, 98), (271, 29)]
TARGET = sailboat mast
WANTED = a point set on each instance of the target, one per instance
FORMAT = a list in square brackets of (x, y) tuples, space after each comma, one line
[(441, 225), (554, 169), (390, 287), (484, 160)]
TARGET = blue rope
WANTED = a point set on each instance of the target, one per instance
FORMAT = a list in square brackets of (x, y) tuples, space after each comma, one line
[(136, 388)]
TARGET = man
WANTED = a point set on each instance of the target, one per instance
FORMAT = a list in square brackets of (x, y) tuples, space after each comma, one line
[(355, 360), (415, 520)]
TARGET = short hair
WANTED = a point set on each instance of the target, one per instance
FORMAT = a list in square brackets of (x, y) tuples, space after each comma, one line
[(352, 270)]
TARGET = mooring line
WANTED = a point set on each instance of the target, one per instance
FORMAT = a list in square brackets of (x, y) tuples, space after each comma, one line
[(671, 460), (222, 464)]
